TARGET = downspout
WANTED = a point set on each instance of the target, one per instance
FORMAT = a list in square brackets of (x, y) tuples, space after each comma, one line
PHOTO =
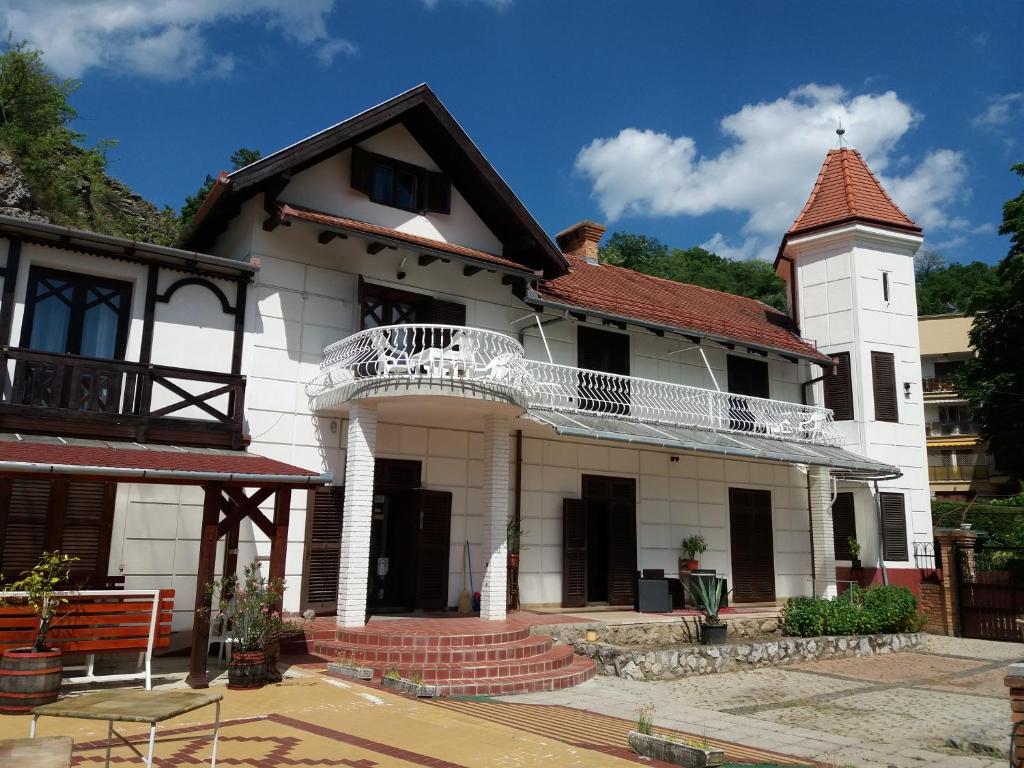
[(517, 509), (881, 540)]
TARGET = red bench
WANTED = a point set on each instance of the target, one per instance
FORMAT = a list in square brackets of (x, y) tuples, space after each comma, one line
[(92, 622)]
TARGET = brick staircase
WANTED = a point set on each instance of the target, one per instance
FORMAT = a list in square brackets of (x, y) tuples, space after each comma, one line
[(462, 656)]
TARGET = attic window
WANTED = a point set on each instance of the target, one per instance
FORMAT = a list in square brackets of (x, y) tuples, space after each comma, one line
[(398, 184), (885, 287)]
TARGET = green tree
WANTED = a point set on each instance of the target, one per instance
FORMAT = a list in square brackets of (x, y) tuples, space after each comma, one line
[(993, 381), (637, 252), (955, 288), (240, 158)]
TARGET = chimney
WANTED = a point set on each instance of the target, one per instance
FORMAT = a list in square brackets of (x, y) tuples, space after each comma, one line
[(581, 240)]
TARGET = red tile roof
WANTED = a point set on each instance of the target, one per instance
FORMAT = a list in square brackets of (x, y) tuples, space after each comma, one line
[(117, 456), (690, 308), (847, 190), (288, 211)]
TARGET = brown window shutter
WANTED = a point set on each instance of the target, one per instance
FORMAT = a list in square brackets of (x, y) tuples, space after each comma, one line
[(883, 383), (25, 533), (362, 170), (574, 553), (839, 387), (844, 525), (322, 556), (438, 194), (894, 526), (435, 516), (88, 519), (448, 313)]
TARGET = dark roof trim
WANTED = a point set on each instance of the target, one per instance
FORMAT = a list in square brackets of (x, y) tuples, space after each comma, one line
[(534, 298), (139, 474), (914, 230), (43, 233), (248, 180)]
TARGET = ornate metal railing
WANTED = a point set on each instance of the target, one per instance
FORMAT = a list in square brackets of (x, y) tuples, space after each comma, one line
[(457, 355)]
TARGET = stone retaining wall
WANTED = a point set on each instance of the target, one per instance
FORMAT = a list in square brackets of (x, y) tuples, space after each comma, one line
[(684, 660), (658, 634)]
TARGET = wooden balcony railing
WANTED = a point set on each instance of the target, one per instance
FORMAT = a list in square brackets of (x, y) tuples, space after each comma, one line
[(75, 396)]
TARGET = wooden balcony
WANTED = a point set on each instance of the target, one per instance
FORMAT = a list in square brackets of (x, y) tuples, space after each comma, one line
[(86, 397)]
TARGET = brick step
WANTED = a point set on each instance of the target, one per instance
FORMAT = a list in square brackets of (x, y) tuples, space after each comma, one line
[(579, 671), (382, 636), (559, 657), (527, 647)]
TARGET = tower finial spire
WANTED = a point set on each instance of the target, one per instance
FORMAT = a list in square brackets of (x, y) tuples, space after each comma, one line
[(840, 132)]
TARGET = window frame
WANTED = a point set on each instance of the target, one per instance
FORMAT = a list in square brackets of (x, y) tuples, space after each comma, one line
[(432, 190), (398, 168), (80, 284)]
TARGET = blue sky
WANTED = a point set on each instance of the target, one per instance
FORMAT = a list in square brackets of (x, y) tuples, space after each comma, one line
[(695, 123)]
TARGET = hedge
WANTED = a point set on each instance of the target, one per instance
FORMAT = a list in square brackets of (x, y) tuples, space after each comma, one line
[(855, 612)]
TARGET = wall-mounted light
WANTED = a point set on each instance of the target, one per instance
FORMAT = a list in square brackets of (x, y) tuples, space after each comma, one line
[(906, 389), (674, 459), (334, 427), (401, 270)]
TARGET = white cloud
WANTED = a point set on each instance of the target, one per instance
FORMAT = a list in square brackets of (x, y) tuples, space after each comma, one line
[(158, 38), (766, 172), (499, 4), (1000, 111)]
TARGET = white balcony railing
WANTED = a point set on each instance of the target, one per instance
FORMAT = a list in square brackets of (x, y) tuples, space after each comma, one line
[(450, 354)]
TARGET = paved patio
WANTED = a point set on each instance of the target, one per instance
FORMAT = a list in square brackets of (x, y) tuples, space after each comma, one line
[(895, 710)]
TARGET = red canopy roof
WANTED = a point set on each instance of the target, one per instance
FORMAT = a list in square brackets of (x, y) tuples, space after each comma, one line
[(847, 190)]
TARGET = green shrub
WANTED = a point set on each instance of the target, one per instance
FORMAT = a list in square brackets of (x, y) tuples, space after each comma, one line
[(855, 612)]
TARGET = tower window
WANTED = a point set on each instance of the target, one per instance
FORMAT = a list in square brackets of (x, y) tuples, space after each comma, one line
[(885, 287)]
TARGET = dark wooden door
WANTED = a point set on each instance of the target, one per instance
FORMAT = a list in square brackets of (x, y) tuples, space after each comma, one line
[(608, 352), (753, 558), (617, 498), (435, 513), (574, 553)]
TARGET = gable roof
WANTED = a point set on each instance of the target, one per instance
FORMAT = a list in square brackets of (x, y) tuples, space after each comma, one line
[(621, 293), (436, 130), (846, 190)]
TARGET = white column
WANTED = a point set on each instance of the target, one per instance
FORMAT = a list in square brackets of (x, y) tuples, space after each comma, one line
[(353, 570), (820, 487), (495, 512)]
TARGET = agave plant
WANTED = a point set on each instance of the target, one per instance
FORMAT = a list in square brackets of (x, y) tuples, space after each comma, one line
[(707, 596)]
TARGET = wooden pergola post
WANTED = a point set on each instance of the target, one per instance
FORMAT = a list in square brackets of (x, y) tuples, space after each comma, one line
[(197, 675), (278, 556)]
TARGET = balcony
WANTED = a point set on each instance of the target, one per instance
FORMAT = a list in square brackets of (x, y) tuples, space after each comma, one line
[(938, 384), (961, 473), (87, 397), (471, 362), (950, 428)]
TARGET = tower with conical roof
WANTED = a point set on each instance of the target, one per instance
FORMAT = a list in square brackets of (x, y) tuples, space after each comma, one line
[(848, 261)]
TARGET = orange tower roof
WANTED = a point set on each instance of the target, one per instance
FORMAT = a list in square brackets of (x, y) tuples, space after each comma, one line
[(847, 190)]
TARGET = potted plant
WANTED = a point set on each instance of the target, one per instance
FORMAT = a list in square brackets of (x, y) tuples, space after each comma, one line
[(256, 624), (32, 674), (514, 536), (709, 598), (854, 553), (691, 753), (693, 546)]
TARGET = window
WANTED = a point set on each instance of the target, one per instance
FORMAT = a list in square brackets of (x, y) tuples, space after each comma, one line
[(894, 526), (74, 516), (883, 383), (380, 306), (76, 314), (750, 378), (839, 387), (607, 352), (885, 287), (945, 368), (844, 525), (398, 184)]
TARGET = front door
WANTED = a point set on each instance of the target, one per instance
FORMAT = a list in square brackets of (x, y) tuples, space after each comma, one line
[(599, 543), (753, 558)]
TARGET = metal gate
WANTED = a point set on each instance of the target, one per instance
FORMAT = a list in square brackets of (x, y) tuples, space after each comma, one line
[(991, 592)]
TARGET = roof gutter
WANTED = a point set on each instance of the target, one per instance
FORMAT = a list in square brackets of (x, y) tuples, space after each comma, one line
[(164, 474), (533, 297)]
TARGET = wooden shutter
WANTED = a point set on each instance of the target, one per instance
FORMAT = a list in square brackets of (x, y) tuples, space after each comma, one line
[(574, 553), (401, 474), (87, 522), (362, 171), (435, 508), (894, 526), (26, 508), (326, 509), (752, 547), (883, 383), (438, 193), (622, 542), (838, 385), (448, 313), (844, 525)]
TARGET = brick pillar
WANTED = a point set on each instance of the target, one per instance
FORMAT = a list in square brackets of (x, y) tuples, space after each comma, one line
[(1014, 680), (495, 512), (353, 570), (954, 548), (819, 484)]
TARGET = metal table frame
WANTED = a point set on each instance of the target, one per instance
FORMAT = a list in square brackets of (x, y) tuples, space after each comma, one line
[(148, 758)]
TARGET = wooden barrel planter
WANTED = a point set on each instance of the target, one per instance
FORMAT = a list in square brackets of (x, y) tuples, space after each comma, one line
[(246, 670), (28, 679)]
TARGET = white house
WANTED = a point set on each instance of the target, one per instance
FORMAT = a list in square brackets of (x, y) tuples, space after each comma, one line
[(380, 309)]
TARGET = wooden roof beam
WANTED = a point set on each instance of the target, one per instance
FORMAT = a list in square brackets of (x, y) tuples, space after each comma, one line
[(373, 248), (327, 235), (469, 271), (426, 259)]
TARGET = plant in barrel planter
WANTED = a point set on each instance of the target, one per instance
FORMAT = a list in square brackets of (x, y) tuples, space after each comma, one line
[(30, 676), (707, 593), (514, 536), (251, 606), (693, 546), (854, 553)]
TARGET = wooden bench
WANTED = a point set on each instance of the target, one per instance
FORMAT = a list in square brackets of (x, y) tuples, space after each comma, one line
[(92, 622)]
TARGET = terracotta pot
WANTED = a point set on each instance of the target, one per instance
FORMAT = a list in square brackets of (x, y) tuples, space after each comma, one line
[(513, 560), (29, 678), (246, 670), (688, 565)]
